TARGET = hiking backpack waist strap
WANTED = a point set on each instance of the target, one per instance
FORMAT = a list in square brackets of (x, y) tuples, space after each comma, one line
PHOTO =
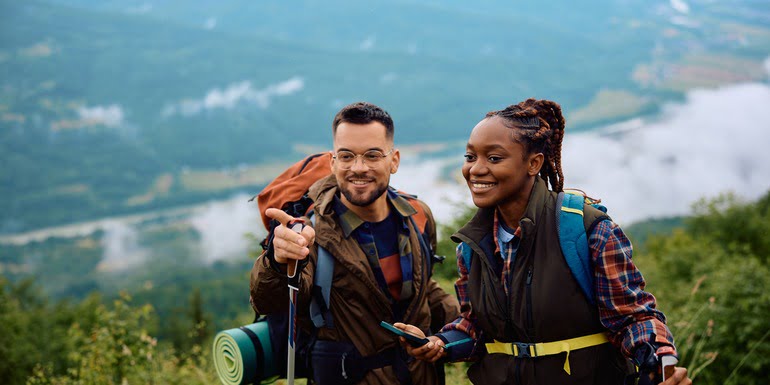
[(528, 350), (338, 362)]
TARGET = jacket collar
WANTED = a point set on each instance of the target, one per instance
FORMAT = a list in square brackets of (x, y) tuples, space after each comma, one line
[(331, 235), (324, 194)]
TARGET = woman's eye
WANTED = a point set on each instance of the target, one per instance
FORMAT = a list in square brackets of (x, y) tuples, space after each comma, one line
[(495, 159), (469, 157)]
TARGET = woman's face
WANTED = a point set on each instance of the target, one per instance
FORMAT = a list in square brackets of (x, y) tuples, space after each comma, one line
[(496, 167)]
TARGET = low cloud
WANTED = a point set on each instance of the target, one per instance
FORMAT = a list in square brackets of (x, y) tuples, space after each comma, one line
[(110, 116), (210, 23), (715, 141), (234, 95), (122, 251), (423, 177), (368, 43), (140, 10), (223, 226), (42, 49)]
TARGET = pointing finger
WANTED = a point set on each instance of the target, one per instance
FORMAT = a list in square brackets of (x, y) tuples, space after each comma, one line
[(279, 215)]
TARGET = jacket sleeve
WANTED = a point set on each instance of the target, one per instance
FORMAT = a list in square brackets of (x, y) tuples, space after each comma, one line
[(444, 307), (269, 290)]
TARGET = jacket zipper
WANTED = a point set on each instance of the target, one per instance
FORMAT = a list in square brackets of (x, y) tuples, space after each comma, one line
[(530, 324)]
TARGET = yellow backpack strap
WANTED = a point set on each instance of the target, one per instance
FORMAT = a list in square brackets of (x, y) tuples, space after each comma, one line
[(528, 350)]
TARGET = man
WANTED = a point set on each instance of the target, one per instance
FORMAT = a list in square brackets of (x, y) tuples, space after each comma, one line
[(380, 270)]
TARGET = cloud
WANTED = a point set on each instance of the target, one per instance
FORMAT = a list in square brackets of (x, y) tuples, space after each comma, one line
[(110, 116), (233, 95), (388, 78), (680, 6), (222, 226), (715, 141), (367, 44), (210, 23), (39, 50), (140, 10), (121, 248), (422, 177)]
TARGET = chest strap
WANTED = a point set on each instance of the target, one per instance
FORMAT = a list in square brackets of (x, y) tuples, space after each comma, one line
[(527, 350)]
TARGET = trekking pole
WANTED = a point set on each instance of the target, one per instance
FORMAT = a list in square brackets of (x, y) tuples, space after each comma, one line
[(293, 276)]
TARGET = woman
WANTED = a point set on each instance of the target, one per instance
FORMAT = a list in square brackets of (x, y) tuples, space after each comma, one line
[(516, 290)]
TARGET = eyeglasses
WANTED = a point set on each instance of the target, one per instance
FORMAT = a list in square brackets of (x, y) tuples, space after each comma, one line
[(371, 158)]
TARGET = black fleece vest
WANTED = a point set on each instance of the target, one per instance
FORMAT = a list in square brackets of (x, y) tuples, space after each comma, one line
[(545, 303)]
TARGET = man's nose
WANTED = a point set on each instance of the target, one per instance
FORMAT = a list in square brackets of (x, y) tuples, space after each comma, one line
[(358, 164)]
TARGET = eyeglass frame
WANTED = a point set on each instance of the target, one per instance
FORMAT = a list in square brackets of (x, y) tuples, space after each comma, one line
[(363, 161)]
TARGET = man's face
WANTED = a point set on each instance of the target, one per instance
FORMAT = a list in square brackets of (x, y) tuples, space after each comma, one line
[(362, 182)]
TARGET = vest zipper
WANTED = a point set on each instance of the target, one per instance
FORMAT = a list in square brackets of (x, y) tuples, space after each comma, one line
[(530, 324)]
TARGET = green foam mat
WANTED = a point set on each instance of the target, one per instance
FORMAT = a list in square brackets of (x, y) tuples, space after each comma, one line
[(235, 356)]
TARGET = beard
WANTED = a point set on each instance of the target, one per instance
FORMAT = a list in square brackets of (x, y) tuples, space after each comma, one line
[(365, 199)]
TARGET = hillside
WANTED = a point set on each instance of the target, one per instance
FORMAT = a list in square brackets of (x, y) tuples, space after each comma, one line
[(123, 107)]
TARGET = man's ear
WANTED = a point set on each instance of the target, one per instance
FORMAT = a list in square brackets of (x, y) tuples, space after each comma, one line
[(395, 162), (535, 163)]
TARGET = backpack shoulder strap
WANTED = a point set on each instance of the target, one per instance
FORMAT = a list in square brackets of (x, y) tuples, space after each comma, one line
[(320, 313), (421, 220), (573, 240), (466, 252)]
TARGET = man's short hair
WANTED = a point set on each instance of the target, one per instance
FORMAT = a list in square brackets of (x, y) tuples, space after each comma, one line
[(363, 113)]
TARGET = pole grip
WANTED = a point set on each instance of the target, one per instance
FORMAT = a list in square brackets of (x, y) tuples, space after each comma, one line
[(295, 225)]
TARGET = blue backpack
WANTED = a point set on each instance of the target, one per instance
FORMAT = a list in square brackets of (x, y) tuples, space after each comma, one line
[(572, 238)]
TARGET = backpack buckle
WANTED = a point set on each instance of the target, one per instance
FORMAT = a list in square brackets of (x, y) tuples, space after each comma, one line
[(521, 350)]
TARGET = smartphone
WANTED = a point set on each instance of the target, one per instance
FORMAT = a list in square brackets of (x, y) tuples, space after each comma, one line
[(411, 339), (667, 364)]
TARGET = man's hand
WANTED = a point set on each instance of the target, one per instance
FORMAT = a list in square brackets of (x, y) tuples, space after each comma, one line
[(288, 245), (429, 352)]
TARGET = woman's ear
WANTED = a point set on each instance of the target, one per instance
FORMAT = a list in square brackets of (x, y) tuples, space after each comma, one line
[(535, 163)]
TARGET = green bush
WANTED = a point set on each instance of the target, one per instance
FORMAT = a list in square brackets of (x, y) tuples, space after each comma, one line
[(711, 279)]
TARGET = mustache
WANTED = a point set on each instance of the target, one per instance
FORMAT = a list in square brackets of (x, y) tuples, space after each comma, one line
[(358, 175)]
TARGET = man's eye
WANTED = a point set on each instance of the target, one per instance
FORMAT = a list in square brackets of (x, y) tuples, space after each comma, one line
[(373, 156), (345, 157)]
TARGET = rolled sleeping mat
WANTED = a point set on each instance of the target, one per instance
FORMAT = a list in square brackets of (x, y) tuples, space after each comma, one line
[(244, 355)]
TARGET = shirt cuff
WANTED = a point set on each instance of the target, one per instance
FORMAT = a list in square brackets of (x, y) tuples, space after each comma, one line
[(460, 351)]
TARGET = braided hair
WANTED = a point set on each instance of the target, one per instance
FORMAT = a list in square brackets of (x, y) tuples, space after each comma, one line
[(539, 126)]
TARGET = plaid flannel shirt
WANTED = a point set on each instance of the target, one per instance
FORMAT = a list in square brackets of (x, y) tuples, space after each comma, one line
[(352, 224)]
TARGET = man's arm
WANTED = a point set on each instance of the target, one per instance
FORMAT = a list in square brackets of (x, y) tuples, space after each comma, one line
[(268, 283), (444, 307)]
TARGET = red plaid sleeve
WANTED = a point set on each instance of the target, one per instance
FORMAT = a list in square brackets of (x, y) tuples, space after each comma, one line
[(467, 321), (625, 308)]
